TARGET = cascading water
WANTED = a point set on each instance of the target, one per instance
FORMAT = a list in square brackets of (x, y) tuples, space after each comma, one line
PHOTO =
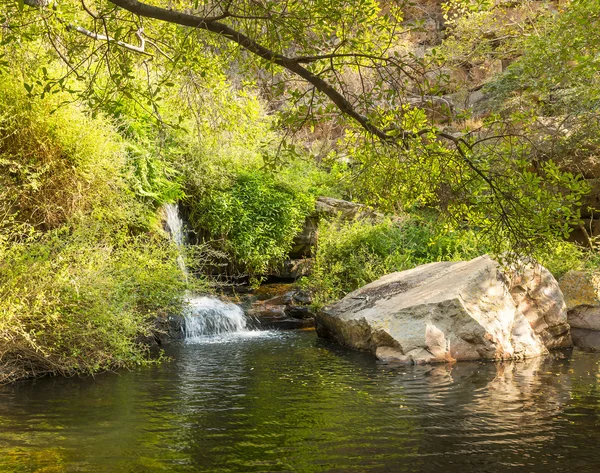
[(174, 224), (176, 227), (205, 317), (208, 316)]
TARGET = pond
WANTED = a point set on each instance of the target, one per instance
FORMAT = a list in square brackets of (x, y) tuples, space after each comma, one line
[(287, 401)]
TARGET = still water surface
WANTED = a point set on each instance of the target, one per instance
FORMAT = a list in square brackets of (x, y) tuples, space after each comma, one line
[(290, 402)]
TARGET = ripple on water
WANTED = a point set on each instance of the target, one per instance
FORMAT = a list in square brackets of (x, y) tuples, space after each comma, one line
[(285, 401), (232, 337)]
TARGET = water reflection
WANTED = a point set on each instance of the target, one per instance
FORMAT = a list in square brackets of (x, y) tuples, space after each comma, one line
[(293, 403)]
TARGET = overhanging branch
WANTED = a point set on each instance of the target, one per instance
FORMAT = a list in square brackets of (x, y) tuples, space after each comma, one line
[(214, 26), (99, 37)]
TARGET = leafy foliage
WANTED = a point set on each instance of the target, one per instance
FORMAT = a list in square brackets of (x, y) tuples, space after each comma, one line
[(106, 115), (352, 254), (488, 183), (558, 72), (78, 288), (55, 162), (482, 34), (255, 220), (73, 304)]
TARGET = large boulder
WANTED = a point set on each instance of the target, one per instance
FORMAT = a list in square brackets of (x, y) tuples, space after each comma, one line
[(539, 298), (441, 312), (586, 340), (582, 296)]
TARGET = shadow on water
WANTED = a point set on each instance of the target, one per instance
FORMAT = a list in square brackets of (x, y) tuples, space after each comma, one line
[(290, 402)]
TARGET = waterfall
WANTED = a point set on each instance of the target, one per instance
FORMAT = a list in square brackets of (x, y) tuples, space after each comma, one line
[(208, 316), (175, 227), (204, 317)]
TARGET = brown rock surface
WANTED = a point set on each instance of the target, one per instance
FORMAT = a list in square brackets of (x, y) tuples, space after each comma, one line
[(538, 296)]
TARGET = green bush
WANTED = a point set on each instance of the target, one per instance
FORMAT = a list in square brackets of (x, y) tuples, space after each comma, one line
[(72, 303), (566, 256), (78, 289), (254, 220), (352, 254), (56, 162)]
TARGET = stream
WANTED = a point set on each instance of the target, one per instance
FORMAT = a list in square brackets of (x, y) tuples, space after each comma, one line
[(231, 398), (287, 401)]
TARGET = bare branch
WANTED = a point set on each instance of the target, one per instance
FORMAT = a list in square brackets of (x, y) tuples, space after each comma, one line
[(99, 37), (89, 12)]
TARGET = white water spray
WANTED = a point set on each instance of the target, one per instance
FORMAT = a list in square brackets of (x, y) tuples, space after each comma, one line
[(205, 316), (176, 227), (208, 316), (174, 224)]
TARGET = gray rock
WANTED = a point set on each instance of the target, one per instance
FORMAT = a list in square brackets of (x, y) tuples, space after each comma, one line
[(294, 269), (279, 317), (299, 312), (306, 239), (439, 312), (302, 297), (587, 340), (167, 329), (333, 208), (538, 296), (284, 311), (581, 290)]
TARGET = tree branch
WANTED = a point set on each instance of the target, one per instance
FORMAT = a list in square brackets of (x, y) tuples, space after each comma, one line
[(99, 37), (214, 26)]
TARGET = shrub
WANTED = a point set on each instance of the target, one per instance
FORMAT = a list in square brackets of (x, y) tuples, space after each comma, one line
[(254, 220), (56, 162), (78, 289), (72, 304), (352, 254)]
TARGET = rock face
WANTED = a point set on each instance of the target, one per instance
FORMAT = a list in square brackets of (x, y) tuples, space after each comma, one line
[(288, 310), (293, 269), (447, 311), (539, 298), (332, 208), (586, 340), (582, 296), (166, 330), (306, 239)]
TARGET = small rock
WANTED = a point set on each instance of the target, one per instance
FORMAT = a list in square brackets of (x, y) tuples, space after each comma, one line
[(284, 311), (333, 208), (581, 290), (299, 312), (294, 269), (302, 297)]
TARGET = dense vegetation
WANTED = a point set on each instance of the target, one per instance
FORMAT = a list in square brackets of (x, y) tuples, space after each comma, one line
[(80, 267), (244, 117)]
